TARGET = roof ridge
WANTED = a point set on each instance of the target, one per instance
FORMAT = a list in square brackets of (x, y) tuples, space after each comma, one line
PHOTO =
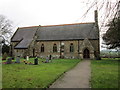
[(27, 27), (57, 25), (68, 24)]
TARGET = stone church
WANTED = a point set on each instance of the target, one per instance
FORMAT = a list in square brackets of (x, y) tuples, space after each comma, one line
[(79, 40)]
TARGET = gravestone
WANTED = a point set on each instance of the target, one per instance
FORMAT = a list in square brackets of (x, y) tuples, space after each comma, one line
[(17, 60), (27, 58), (9, 60), (36, 61), (50, 58)]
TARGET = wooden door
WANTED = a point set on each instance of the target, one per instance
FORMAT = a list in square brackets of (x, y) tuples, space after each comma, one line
[(86, 54)]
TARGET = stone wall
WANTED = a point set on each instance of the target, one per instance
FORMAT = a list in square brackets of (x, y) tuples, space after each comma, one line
[(13, 44), (96, 45), (67, 53), (48, 49)]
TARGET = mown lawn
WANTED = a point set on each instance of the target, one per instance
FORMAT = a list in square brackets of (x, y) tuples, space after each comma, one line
[(104, 73), (35, 76)]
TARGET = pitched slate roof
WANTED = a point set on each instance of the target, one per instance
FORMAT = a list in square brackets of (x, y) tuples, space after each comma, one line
[(55, 32), (23, 44), (68, 32), (24, 36)]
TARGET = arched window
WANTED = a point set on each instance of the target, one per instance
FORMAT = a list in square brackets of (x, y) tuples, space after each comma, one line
[(71, 47), (42, 48), (54, 48)]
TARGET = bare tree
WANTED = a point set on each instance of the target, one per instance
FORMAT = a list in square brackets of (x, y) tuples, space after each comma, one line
[(5, 28)]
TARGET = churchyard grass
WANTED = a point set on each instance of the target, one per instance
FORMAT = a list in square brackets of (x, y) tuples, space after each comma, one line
[(110, 59), (104, 73), (35, 76)]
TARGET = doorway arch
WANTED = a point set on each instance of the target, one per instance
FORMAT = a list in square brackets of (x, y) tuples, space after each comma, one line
[(86, 53)]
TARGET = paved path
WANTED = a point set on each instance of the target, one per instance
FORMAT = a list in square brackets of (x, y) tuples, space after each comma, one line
[(78, 77)]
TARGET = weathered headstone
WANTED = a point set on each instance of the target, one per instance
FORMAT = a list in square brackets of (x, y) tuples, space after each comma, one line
[(9, 60), (47, 59), (36, 61), (50, 58), (17, 59), (27, 58)]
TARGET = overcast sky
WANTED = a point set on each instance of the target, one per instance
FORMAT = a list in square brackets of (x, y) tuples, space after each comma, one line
[(47, 12)]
